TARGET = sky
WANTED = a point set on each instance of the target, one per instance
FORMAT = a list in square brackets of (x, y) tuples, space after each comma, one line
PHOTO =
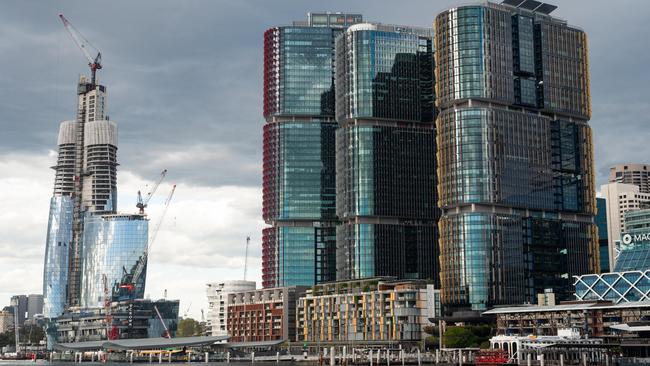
[(184, 84)]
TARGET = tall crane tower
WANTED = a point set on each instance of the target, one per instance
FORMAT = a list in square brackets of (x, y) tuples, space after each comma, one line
[(95, 63), (248, 241), (142, 203)]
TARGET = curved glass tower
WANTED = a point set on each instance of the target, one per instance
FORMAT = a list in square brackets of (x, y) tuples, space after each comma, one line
[(299, 191), (113, 245), (515, 155), (385, 153)]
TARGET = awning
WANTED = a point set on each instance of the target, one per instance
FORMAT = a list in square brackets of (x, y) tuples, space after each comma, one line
[(141, 343)]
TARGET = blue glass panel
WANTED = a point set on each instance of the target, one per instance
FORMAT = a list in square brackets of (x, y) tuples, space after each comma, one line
[(112, 246), (55, 272)]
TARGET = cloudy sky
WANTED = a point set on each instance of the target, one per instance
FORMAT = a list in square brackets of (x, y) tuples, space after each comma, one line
[(184, 86)]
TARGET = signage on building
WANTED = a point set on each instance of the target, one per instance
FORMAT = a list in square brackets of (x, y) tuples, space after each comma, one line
[(634, 238)]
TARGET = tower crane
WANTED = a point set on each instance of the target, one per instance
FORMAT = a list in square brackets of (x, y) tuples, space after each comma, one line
[(248, 241), (142, 203), (130, 279), (95, 63), (111, 330)]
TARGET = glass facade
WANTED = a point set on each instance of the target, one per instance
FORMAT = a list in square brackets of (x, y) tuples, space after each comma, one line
[(634, 248), (601, 222), (113, 245), (299, 188), (306, 255), (385, 171), (616, 287), (389, 77), (474, 56), (385, 153), (405, 250), (55, 272), (298, 71), (299, 171), (514, 156)]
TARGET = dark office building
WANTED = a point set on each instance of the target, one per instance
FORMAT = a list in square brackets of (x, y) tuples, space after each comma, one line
[(601, 223), (385, 153), (299, 191), (515, 155)]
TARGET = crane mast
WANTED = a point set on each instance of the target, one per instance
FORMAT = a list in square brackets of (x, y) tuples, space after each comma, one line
[(95, 63), (142, 203)]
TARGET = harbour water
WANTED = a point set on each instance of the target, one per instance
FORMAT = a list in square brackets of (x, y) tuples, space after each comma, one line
[(69, 363)]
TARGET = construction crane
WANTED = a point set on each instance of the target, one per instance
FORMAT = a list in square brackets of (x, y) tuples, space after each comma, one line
[(131, 278), (166, 333), (142, 203), (111, 331), (95, 63), (248, 241), (187, 310)]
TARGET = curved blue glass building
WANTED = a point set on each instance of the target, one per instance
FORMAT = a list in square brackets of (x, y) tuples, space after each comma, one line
[(59, 237), (385, 153), (299, 191), (515, 156), (113, 244)]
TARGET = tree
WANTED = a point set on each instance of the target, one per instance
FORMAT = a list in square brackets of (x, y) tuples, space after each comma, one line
[(30, 334), (430, 329), (469, 336), (188, 327), (431, 342)]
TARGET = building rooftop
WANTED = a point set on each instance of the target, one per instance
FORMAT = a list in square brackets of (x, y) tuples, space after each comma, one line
[(572, 306)]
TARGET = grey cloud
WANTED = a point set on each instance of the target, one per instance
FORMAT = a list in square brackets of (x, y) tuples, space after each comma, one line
[(186, 74)]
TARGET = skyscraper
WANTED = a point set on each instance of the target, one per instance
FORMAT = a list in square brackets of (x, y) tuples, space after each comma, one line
[(515, 155), (85, 182), (112, 246), (385, 153), (34, 305), (299, 158), (87, 241), (620, 198), (629, 173)]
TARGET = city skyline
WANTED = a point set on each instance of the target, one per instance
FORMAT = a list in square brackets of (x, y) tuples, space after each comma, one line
[(216, 155)]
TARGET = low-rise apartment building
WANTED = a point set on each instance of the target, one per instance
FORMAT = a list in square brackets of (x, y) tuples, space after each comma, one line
[(368, 310), (263, 315)]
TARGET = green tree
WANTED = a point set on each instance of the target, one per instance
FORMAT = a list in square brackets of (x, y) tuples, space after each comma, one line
[(469, 336), (431, 342), (7, 338), (188, 327)]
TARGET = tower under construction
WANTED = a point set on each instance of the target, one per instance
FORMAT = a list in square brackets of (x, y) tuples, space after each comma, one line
[(85, 183)]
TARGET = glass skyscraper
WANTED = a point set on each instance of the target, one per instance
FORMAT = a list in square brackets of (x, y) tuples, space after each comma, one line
[(603, 243), (515, 155), (113, 245), (385, 153), (299, 194), (86, 240)]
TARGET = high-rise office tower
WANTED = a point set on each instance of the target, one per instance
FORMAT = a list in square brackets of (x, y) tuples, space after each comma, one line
[(85, 182), (385, 153), (298, 173), (620, 198), (637, 174), (34, 305), (515, 155), (20, 307)]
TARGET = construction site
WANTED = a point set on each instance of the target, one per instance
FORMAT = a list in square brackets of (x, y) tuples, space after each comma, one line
[(96, 257)]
